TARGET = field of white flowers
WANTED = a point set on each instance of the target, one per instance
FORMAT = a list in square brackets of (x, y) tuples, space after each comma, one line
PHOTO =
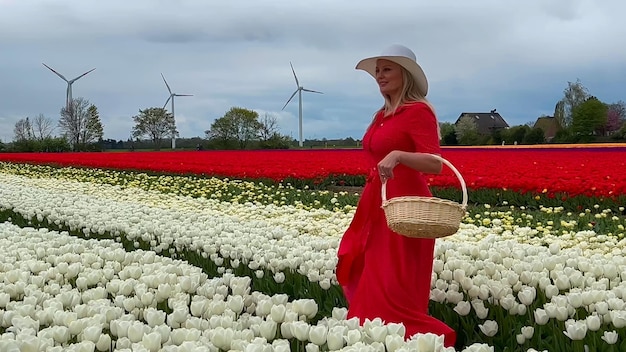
[(112, 261)]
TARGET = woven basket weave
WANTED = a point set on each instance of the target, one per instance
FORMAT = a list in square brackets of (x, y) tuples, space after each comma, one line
[(425, 217)]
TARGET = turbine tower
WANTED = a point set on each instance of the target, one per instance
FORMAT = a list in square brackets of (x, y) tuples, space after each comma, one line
[(299, 91), (171, 97), (68, 98)]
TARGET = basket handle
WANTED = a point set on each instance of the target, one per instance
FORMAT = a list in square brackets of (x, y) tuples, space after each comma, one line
[(448, 164)]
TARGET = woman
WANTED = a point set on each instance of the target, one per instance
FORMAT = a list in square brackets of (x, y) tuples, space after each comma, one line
[(384, 274)]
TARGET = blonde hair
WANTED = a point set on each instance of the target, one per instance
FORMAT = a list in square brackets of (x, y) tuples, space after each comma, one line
[(410, 93)]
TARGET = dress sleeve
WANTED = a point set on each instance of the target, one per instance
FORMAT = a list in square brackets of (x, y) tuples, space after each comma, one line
[(423, 129)]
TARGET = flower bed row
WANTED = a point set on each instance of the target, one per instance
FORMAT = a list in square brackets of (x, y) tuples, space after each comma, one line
[(257, 191), (494, 265), (61, 293), (592, 172)]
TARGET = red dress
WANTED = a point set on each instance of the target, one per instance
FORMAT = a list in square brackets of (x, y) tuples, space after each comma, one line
[(384, 274)]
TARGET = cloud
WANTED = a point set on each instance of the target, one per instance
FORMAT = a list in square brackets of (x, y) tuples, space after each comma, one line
[(479, 55)]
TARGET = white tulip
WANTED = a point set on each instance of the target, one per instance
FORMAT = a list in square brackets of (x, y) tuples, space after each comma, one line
[(300, 330), (463, 308), (610, 337), (393, 342), (593, 322), (311, 347), (264, 307), (267, 329), (618, 318), (454, 297), (92, 333), (575, 299), (527, 295), (335, 340), (616, 303), (352, 323), (528, 332), (61, 334), (279, 277), (198, 307), (508, 302), (76, 326), (562, 313), (151, 341), (520, 309), (147, 299), (179, 314), (576, 331), (426, 342), (154, 317), (285, 330), (28, 343), (222, 338), (5, 298), (235, 303), (489, 327), (602, 308), (551, 291), (318, 334), (164, 331), (123, 343), (437, 295), (352, 337), (104, 343)]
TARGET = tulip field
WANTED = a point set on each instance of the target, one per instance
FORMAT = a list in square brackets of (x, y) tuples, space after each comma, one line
[(236, 251)]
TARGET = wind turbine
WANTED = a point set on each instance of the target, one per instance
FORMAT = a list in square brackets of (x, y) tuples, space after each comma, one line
[(69, 84), (171, 97), (299, 91)]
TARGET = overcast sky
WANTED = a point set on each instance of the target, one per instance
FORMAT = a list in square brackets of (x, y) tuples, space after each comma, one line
[(514, 56)]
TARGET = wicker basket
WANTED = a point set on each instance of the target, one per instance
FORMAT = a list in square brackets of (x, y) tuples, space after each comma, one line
[(425, 217)]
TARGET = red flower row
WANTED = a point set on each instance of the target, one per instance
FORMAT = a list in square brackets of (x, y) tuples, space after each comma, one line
[(580, 171)]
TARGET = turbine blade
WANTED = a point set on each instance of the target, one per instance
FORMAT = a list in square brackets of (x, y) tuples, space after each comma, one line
[(183, 95), (312, 91), (167, 101), (294, 94), (75, 79), (58, 74), (294, 75), (167, 85)]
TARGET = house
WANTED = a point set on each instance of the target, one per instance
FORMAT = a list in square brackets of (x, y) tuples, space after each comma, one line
[(549, 125), (487, 122)]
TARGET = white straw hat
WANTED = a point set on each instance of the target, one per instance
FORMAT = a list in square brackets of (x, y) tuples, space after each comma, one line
[(404, 57)]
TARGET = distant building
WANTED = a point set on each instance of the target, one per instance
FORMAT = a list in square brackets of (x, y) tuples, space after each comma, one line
[(487, 122), (549, 125)]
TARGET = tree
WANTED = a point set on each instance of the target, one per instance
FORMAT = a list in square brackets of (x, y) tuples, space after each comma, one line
[(448, 133), (466, 131), (79, 125), (496, 137), (269, 127), (42, 127), (238, 125), (559, 112), (616, 115), (534, 136), (588, 118), (154, 123), (574, 95), (515, 134), (23, 130), (93, 130)]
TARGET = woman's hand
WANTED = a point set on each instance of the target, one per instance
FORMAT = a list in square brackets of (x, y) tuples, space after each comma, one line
[(385, 166)]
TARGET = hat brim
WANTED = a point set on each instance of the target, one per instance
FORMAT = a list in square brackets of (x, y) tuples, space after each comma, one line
[(369, 65)]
